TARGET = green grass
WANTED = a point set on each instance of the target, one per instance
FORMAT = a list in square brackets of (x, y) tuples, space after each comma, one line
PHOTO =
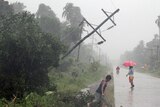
[(155, 73), (68, 85)]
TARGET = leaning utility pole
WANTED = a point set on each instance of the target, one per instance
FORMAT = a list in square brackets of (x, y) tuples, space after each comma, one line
[(94, 29), (89, 34), (108, 16)]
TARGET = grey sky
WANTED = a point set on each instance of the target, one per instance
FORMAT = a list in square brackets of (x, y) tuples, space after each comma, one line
[(135, 21)]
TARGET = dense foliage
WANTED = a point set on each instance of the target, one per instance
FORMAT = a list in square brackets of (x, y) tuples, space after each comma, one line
[(18, 7), (74, 19), (48, 21), (31, 72), (5, 8), (25, 55), (146, 55)]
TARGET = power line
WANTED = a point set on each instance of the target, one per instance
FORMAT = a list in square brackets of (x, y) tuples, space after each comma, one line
[(113, 4), (89, 34)]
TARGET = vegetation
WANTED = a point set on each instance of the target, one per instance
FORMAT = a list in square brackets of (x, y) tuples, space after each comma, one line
[(5, 8), (18, 7), (146, 55), (74, 19), (68, 88), (31, 72), (48, 21), (26, 52)]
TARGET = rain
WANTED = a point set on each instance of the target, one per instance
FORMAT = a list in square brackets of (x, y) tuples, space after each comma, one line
[(79, 53)]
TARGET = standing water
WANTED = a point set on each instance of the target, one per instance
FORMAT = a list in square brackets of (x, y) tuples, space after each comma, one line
[(146, 92)]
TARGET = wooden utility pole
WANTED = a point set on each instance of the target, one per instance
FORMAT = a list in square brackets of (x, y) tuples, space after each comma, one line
[(108, 16), (89, 34), (79, 47), (94, 29)]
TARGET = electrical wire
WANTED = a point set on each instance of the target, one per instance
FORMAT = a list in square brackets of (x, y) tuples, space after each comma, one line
[(113, 4)]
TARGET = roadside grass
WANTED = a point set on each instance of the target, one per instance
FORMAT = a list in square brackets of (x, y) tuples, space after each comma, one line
[(155, 73), (69, 84), (85, 78)]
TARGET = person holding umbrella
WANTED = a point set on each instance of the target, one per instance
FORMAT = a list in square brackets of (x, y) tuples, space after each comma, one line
[(130, 64), (131, 75)]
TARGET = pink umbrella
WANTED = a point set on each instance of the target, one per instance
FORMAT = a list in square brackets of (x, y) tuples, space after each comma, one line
[(129, 63)]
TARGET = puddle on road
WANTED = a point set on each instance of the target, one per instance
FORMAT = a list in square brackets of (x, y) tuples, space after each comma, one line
[(146, 92)]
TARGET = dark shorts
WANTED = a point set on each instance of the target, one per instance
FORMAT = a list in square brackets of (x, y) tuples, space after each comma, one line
[(99, 98)]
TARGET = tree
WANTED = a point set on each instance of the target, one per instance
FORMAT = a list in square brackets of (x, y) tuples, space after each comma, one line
[(152, 50), (139, 53), (26, 53), (71, 35), (72, 14), (48, 21), (45, 11), (50, 25), (5, 8), (18, 7), (74, 18), (158, 23)]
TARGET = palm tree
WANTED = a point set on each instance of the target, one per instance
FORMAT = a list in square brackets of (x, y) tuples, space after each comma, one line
[(75, 19), (72, 14), (67, 11)]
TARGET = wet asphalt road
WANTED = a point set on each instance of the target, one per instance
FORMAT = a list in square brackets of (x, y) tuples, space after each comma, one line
[(146, 92)]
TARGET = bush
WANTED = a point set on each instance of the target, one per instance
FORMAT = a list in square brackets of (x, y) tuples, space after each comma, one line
[(27, 53), (94, 66)]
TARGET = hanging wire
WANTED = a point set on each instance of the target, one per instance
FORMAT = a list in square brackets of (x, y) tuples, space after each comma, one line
[(108, 28), (112, 18), (113, 4)]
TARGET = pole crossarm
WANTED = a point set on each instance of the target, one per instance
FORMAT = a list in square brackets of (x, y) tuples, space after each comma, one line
[(94, 29), (108, 16), (89, 34)]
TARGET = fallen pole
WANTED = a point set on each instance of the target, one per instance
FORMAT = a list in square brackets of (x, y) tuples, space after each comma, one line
[(89, 34)]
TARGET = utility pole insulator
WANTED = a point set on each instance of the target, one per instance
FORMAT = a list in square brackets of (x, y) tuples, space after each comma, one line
[(94, 29), (108, 16)]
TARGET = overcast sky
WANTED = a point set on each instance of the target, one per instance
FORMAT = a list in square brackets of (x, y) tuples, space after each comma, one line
[(135, 20)]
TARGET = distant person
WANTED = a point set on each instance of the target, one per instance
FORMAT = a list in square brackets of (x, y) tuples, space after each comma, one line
[(131, 75), (99, 95), (117, 69)]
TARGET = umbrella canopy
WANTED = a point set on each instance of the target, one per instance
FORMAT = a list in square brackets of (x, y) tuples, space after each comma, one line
[(129, 63)]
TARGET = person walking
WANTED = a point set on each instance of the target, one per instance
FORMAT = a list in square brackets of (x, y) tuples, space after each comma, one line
[(117, 69), (131, 76), (99, 94)]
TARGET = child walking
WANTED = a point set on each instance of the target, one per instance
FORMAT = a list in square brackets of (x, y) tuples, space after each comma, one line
[(131, 75)]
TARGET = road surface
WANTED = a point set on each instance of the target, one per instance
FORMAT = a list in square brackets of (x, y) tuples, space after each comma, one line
[(146, 92)]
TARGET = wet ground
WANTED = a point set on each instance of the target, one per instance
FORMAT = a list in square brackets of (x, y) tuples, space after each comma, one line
[(146, 92)]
